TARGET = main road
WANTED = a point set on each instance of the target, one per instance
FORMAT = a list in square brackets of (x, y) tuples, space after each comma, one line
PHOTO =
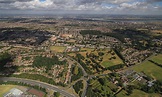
[(37, 83)]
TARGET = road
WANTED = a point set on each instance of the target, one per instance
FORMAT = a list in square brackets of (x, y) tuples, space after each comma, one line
[(37, 83), (84, 73)]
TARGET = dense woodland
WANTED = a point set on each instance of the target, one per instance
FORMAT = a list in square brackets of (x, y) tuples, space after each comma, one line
[(4, 58), (40, 61)]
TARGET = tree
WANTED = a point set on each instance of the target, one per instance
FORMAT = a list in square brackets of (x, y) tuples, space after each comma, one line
[(100, 53), (4, 58), (56, 94)]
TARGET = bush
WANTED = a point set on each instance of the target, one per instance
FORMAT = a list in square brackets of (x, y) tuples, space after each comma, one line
[(40, 61), (78, 75), (78, 86), (4, 58), (56, 94), (100, 53)]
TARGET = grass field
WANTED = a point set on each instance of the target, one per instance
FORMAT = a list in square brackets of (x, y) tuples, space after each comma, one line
[(72, 54), (101, 86), (107, 62), (137, 93), (104, 57), (149, 69), (156, 32), (57, 48), (5, 88), (157, 59), (85, 50)]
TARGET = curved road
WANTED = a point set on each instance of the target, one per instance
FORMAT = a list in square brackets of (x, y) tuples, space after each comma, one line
[(84, 73), (37, 83)]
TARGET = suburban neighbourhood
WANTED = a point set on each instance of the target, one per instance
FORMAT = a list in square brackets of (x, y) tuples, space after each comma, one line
[(78, 57)]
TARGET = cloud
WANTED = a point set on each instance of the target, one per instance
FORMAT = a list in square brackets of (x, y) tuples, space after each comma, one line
[(151, 1), (32, 4), (12, 1), (101, 1), (135, 5), (95, 6)]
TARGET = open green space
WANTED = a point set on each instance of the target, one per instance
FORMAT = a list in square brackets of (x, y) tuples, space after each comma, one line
[(57, 48), (76, 73), (5, 89), (78, 87), (156, 32), (85, 50), (40, 61), (137, 93), (110, 59), (97, 60), (4, 58), (157, 59), (107, 63), (150, 69), (1, 47), (101, 87)]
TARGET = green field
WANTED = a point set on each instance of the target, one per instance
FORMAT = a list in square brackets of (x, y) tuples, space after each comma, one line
[(97, 89), (109, 61), (106, 62), (137, 93), (157, 59), (5, 88), (97, 59), (57, 48), (149, 69), (85, 50)]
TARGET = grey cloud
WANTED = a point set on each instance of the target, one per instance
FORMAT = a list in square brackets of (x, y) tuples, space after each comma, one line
[(87, 1), (96, 6), (152, 1), (12, 1), (60, 1), (102, 1)]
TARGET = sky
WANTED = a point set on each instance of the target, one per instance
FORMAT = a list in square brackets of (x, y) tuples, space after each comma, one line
[(135, 7)]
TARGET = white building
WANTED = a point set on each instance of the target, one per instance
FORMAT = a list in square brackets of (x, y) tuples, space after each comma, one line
[(14, 93)]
